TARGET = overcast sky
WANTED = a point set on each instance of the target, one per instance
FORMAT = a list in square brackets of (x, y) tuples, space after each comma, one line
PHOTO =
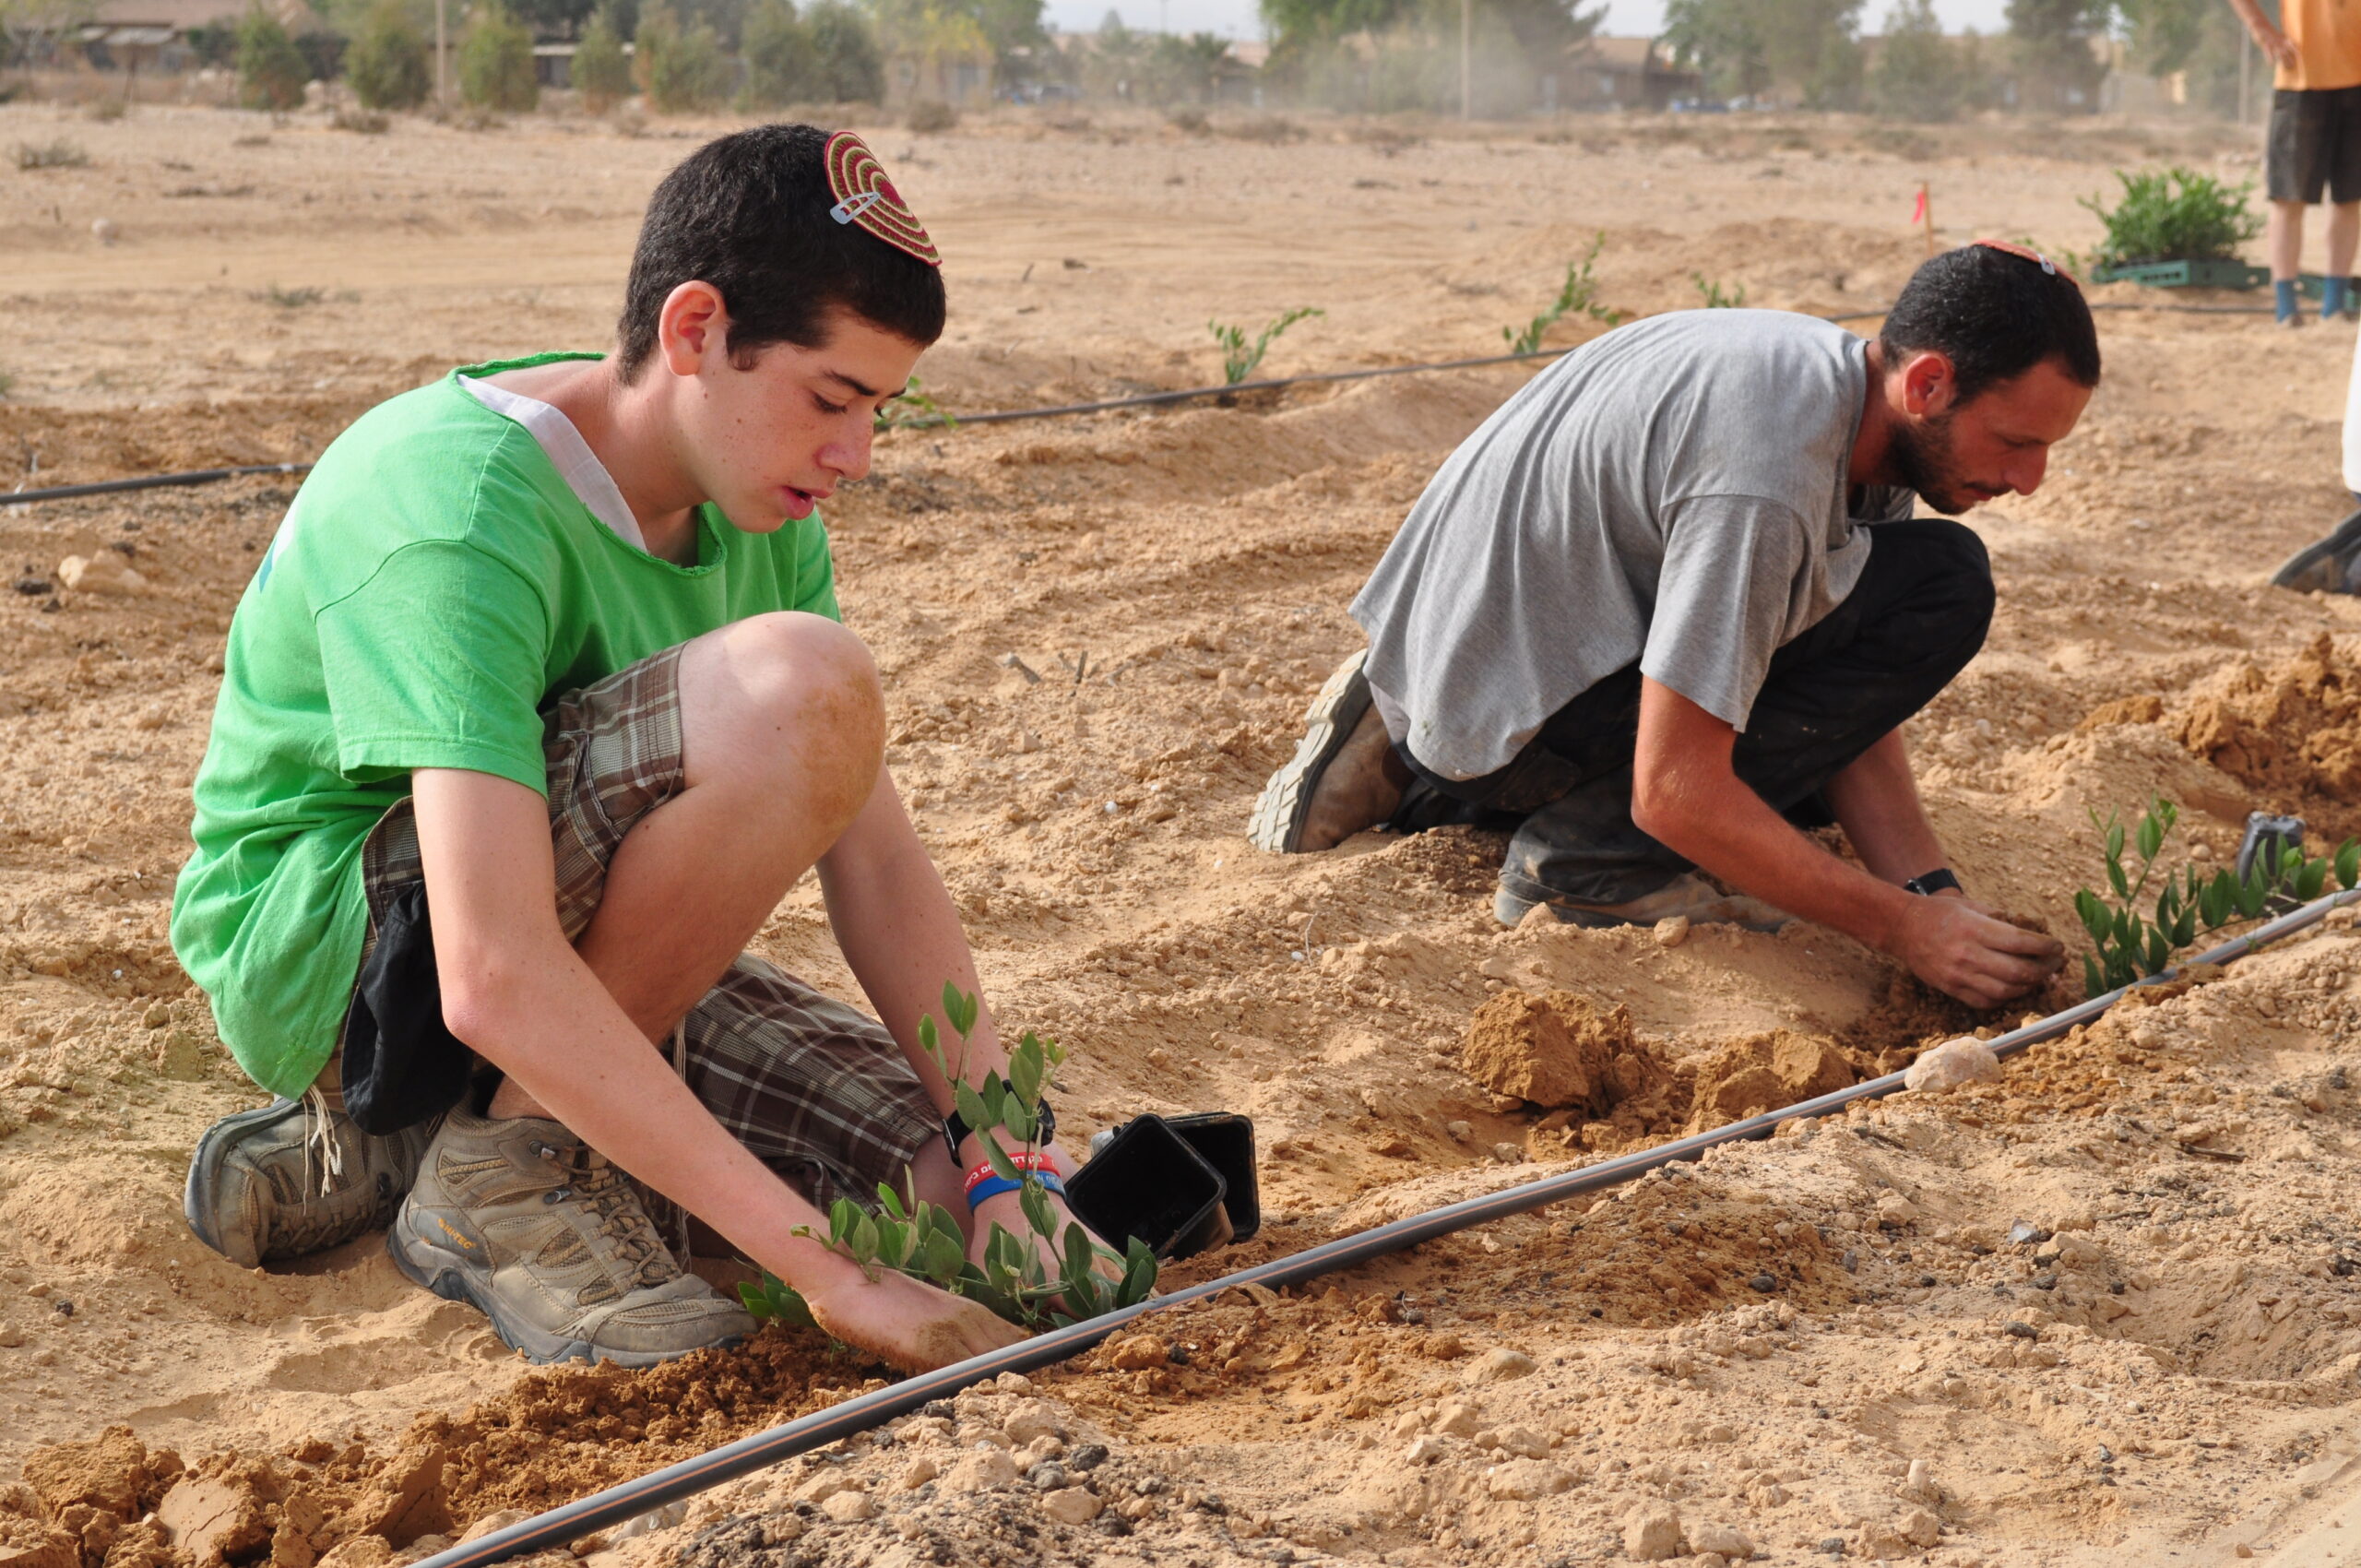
[(1240, 18)]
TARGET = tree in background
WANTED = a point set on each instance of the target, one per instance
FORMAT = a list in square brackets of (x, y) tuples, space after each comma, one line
[(388, 65), (2058, 69), (2203, 38), (1185, 69), (496, 62), (271, 72), (679, 68), (323, 53), (601, 72), (852, 68), (1747, 48), (552, 18), (1920, 74), (1413, 49), (27, 25), (782, 67)]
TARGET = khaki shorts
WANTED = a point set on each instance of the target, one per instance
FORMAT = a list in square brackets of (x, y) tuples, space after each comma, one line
[(822, 1094)]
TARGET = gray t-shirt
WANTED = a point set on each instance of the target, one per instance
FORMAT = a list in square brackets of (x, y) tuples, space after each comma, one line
[(1671, 494)]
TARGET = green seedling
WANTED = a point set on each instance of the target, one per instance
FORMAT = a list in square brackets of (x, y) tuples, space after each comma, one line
[(2129, 945), (291, 299), (1082, 1278), (914, 408), (2174, 215), (1238, 360), (58, 154), (1710, 289), (1579, 293)]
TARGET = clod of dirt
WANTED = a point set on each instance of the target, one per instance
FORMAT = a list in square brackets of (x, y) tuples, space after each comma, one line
[(112, 1472), (1556, 1050), (1748, 1077), (1955, 1062), (2295, 727)]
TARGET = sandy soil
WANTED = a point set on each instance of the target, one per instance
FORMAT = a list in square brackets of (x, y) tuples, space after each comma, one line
[(2168, 1375)]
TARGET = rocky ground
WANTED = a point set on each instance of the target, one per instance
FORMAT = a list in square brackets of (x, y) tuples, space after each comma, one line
[(2099, 1310)]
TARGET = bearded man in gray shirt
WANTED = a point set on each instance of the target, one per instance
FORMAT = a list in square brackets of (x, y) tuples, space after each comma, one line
[(1669, 607)]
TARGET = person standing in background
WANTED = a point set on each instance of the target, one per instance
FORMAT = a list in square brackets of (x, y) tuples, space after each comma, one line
[(2315, 140)]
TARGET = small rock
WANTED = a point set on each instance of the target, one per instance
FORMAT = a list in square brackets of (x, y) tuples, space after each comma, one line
[(1764, 1283), (1896, 1210), (1522, 1442), (916, 1474), (499, 1519), (1139, 1352), (1921, 1527), (1833, 1546), (2016, 1330), (11, 1336), (1427, 1450), (2241, 1549), (1048, 1477), (1920, 1484), (1653, 1532), (62, 1307), (1499, 1365), (1950, 1064), (1013, 1383), (849, 1507), (105, 572), (1072, 1505), (1457, 1417), (982, 1470), (1735, 1545), (1522, 1481), (822, 1487), (1460, 1131), (1672, 931), (106, 231), (1089, 1457), (2025, 1230), (1508, 1154), (1034, 1418), (1882, 1543)]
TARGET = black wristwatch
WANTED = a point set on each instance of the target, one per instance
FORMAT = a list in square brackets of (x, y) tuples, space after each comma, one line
[(1934, 881), (956, 1129)]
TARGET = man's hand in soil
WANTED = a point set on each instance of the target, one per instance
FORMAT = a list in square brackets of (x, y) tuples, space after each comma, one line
[(1008, 1212), (1966, 950), (907, 1322)]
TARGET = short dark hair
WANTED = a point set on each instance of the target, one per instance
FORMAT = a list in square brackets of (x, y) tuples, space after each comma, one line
[(1995, 314), (748, 213)]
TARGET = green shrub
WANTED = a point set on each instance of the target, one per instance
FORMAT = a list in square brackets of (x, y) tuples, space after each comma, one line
[(57, 153), (852, 70), (782, 67), (213, 43), (322, 54), (681, 69), (496, 64), (271, 72), (388, 66), (601, 70), (930, 115), (2175, 214)]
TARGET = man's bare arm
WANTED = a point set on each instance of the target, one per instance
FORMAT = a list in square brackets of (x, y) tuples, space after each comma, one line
[(2275, 44), (516, 991), (1686, 796)]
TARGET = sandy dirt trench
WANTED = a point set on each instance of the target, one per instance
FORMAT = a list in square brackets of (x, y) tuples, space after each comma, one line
[(2168, 1374)]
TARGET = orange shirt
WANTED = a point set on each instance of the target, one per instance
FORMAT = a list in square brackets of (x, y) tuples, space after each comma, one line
[(2327, 35)]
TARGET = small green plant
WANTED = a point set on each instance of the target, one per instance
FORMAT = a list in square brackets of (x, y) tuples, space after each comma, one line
[(915, 409), (291, 299), (7, 384), (57, 154), (388, 64), (1238, 360), (1710, 289), (271, 70), (924, 1241), (2174, 214), (601, 71), (361, 122), (1578, 293), (681, 68), (2128, 944), (496, 64)]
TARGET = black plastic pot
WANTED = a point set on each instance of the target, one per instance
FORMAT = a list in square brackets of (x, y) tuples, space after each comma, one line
[(1224, 1140), (1146, 1181)]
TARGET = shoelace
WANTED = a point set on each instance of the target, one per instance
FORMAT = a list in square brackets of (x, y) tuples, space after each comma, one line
[(615, 1207), (321, 1134)]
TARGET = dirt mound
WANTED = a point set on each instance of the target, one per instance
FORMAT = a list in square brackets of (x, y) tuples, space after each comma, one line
[(1558, 1050), (1748, 1077), (2291, 728)]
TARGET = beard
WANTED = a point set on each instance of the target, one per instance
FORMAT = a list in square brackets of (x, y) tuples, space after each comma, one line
[(1921, 456)]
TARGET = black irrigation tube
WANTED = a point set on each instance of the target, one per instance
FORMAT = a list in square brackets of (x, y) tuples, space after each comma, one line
[(1060, 410), (617, 1503)]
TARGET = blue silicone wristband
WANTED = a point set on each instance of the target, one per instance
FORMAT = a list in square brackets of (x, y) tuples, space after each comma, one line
[(999, 1184)]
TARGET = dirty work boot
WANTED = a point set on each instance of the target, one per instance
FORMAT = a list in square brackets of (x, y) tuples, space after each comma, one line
[(1688, 894), (2327, 566), (1343, 777), (532, 1227), (294, 1177)]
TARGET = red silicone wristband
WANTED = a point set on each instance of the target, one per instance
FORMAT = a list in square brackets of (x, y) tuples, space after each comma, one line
[(1022, 1160)]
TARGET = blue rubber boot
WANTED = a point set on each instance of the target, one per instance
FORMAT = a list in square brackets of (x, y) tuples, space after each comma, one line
[(2334, 299)]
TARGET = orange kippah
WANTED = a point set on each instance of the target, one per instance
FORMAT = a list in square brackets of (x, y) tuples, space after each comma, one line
[(866, 198)]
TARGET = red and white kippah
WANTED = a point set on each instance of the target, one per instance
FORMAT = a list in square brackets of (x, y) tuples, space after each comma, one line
[(866, 198), (2027, 253)]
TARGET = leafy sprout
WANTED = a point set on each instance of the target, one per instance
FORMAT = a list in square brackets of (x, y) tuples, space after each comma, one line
[(1715, 297), (914, 408), (924, 1241), (2129, 945), (1578, 292), (1238, 360)]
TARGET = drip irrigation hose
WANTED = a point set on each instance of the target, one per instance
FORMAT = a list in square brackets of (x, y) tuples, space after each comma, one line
[(601, 1510), (1060, 410)]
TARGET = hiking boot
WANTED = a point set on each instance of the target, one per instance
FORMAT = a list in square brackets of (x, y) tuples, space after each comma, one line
[(1343, 777), (538, 1232), (1686, 895), (2328, 565), (294, 1177)]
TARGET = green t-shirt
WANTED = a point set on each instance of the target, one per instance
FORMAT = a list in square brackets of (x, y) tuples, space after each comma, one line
[(434, 584)]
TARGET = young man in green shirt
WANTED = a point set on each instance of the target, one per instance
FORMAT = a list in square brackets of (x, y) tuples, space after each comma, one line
[(550, 648)]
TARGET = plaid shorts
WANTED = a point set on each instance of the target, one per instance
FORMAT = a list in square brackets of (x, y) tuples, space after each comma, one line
[(819, 1092)]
